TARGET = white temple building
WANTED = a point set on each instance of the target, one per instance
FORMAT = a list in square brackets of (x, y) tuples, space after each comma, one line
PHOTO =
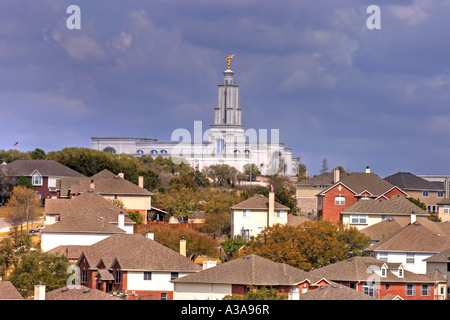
[(225, 142)]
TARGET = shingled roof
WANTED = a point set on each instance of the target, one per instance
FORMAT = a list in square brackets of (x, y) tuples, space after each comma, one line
[(396, 205), (81, 293), (258, 201), (248, 270), (136, 252), (45, 168), (409, 181), (8, 291), (335, 292)]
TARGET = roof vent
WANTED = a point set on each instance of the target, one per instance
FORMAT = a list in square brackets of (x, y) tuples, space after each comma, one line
[(64, 289), (86, 290)]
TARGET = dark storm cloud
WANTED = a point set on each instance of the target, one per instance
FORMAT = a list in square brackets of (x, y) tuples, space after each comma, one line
[(313, 70)]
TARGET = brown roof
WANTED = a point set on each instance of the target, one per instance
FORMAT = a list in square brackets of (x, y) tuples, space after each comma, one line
[(136, 252), (443, 256), (423, 235), (358, 269), (258, 201), (8, 291), (324, 179), (83, 293), (294, 220), (397, 205), (335, 292), (409, 181), (386, 228), (45, 168), (70, 251), (105, 183), (248, 270)]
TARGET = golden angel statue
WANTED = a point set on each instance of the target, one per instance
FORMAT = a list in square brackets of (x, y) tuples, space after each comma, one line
[(229, 60)]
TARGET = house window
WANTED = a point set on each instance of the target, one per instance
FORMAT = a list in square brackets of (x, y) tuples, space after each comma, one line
[(370, 289), (400, 272), (339, 201), (84, 276), (163, 296), (173, 275), (147, 275), (36, 179), (352, 285), (359, 219), (280, 213), (410, 258), (440, 194), (448, 266), (410, 290), (383, 256), (383, 272), (425, 290), (117, 277), (446, 209), (425, 194), (246, 213), (384, 217), (387, 286)]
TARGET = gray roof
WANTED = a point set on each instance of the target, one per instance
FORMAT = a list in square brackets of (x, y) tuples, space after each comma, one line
[(248, 270), (45, 168), (8, 291), (136, 252), (335, 292), (409, 181), (397, 205)]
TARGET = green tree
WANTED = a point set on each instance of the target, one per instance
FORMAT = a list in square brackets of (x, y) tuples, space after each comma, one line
[(221, 174), (24, 182), (7, 258), (38, 154), (252, 170), (262, 293)]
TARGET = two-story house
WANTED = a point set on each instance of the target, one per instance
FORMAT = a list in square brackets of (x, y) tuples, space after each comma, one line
[(134, 265), (428, 192), (351, 189), (251, 216), (44, 175)]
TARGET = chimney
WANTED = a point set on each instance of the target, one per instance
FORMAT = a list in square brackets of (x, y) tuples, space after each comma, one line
[(150, 235), (92, 185), (121, 175), (183, 247), (337, 175), (209, 264), (367, 169), (413, 217), (141, 182), (39, 292), (121, 221), (271, 214)]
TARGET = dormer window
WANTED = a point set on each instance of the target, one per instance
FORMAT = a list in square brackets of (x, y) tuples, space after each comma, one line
[(383, 271), (36, 179), (400, 272)]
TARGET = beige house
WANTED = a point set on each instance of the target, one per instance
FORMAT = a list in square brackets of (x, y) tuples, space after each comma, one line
[(251, 216), (444, 210), (366, 213)]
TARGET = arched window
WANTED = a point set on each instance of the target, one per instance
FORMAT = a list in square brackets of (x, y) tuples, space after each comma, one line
[(154, 152), (140, 152), (339, 201), (110, 150), (219, 146), (163, 151)]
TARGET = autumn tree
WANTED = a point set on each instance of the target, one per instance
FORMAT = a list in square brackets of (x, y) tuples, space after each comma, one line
[(310, 245), (221, 174), (22, 207)]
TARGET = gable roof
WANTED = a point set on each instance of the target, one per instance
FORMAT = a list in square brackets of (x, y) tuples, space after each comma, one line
[(409, 181), (335, 291), (386, 228), (248, 270), (258, 201), (136, 252), (44, 167), (8, 291), (421, 236), (396, 205), (359, 269)]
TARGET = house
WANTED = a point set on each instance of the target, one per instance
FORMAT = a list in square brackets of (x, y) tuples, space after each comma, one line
[(444, 210), (307, 190), (386, 228), (69, 294), (363, 214), (135, 265), (251, 216), (110, 186), (335, 292), (441, 263), (238, 277), (428, 192), (8, 291), (378, 278), (44, 175), (83, 220), (412, 244), (351, 189)]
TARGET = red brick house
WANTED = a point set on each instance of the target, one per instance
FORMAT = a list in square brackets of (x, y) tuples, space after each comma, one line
[(380, 279), (133, 265), (44, 175), (351, 189)]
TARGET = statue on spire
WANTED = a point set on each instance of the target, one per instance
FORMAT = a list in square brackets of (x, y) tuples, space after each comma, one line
[(229, 60)]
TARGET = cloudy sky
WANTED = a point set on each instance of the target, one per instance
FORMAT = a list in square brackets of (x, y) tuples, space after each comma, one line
[(312, 69)]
